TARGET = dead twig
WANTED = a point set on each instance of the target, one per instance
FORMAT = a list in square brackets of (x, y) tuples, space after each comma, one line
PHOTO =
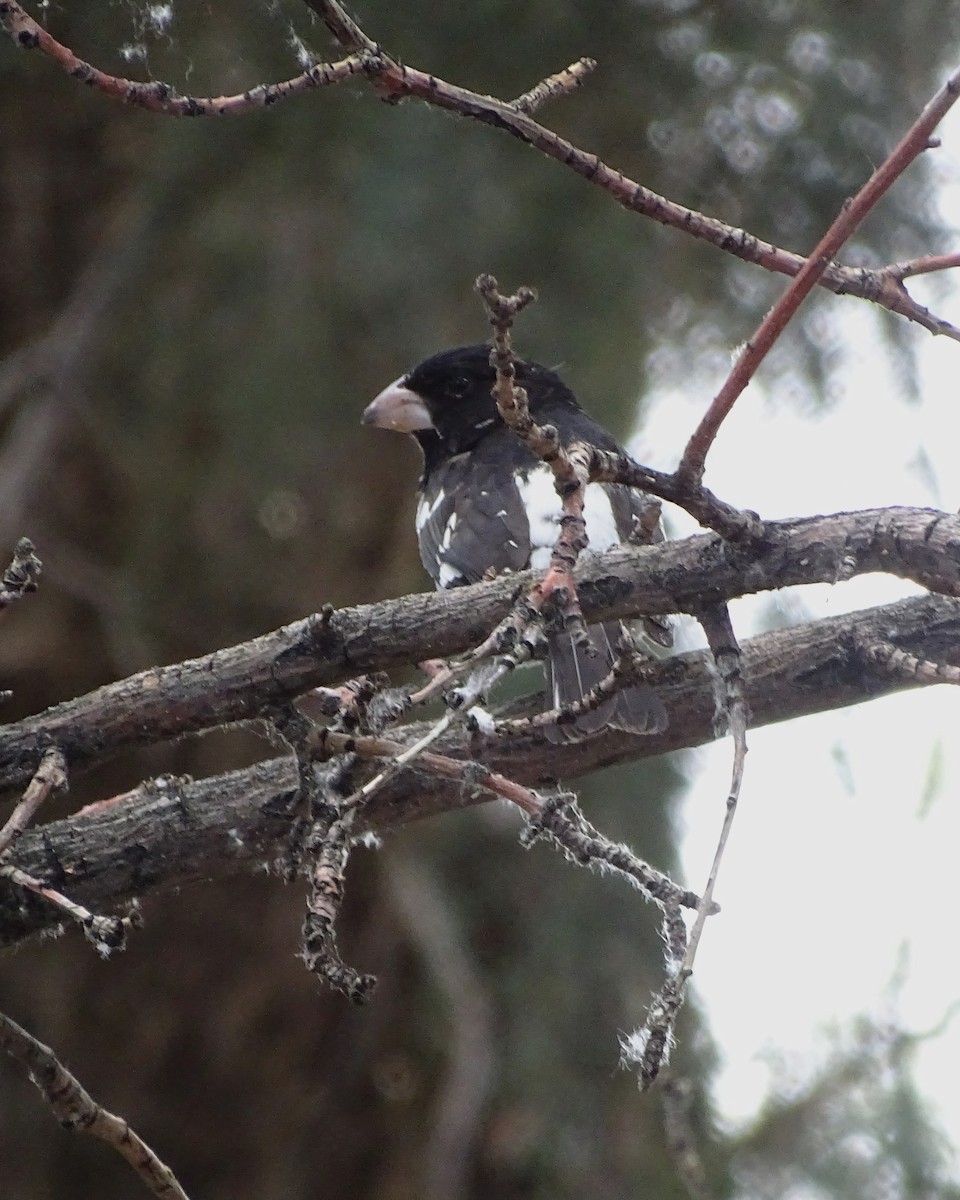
[(648, 1048), (570, 466), (330, 850), (554, 86), (49, 777), (105, 933), (77, 1110), (159, 97)]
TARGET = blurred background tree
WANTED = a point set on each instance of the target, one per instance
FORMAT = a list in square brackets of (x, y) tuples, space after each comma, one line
[(192, 317)]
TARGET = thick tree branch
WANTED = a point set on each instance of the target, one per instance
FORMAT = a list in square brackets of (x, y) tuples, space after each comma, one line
[(170, 832), (240, 683)]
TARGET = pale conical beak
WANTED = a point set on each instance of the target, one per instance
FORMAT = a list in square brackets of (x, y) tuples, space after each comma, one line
[(398, 408)]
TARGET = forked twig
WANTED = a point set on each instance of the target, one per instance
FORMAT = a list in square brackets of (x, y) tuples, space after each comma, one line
[(394, 81)]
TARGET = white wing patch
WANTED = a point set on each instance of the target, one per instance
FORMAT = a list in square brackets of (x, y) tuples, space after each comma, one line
[(542, 505), (426, 509), (448, 573)]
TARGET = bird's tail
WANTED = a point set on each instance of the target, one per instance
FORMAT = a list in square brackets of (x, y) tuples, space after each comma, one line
[(572, 672)]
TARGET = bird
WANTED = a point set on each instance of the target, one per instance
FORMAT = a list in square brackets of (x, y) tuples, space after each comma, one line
[(488, 505)]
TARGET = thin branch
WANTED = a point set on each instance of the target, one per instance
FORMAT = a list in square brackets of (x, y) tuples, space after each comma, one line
[(914, 142), (728, 658), (909, 666), (922, 266), (554, 86), (343, 27), (77, 1110), (105, 933), (648, 1048), (472, 774), (324, 900), (629, 668), (394, 81), (49, 777), (570, 467), (560, 822), (159, 97)]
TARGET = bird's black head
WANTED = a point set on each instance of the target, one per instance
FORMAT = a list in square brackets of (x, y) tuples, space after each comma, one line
[(447, 399)]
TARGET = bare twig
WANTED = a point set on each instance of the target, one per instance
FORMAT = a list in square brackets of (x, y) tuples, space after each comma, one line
[(925, 265), (628, 669), (570, 466), (159, 97), (49, 777), (899, 662), (648, 1048), (560, 822), (561, 84), (105, 933), (913, 144), (343, 27), (331, 849), (77, 1110), (472, 774), (733, 711)]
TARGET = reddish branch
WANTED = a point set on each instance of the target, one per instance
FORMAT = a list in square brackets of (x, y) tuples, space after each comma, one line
[(395, 81), (49, 777), (569, 467), (910, 147), (161, 97)]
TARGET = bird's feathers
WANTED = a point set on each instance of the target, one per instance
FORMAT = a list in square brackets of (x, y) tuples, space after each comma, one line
[(488, 504)]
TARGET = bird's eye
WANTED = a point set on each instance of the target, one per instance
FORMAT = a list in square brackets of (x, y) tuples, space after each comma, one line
[(459, 385)]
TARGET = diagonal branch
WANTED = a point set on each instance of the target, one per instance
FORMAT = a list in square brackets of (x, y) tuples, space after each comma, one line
[(910, 147), (394, 81), (77, 1110)]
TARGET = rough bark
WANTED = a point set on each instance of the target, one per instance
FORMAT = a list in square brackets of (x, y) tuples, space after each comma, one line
[(172, 831)]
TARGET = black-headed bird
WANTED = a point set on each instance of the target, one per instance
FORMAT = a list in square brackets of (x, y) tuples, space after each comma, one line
[(488, 505)]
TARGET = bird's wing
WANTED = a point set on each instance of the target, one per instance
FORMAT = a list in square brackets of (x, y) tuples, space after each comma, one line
[(471, 522)]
